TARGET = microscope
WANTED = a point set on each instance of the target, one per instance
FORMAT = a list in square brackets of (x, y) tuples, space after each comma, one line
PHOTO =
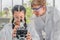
[(21, 31)]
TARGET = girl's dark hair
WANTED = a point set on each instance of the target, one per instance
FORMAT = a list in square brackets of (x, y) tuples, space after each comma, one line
[(18, 8)]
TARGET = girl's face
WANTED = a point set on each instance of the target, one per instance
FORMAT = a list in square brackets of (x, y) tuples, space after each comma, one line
[(18, 15)]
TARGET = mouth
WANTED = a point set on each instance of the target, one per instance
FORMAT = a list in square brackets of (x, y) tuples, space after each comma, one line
[(37, 13)]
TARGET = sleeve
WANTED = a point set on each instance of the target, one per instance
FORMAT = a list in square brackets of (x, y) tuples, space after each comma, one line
[(5, 33), (56, 30), (2, 34), (32, 30)]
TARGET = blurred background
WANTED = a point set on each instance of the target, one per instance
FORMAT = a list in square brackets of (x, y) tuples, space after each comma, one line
[(6, 6)]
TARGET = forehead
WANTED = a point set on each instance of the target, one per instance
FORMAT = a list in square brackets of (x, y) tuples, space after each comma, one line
[(18, 12), (36, 6)]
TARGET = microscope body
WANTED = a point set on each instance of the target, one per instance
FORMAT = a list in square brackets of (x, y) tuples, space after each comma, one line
[(21, 32)]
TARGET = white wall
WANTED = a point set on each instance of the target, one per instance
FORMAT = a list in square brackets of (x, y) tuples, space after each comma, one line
[(0, 5), (6, 3), (49, 2), (57, 4), (17, 2)]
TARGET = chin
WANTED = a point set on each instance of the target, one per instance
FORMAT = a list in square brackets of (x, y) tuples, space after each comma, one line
[(37, 15)]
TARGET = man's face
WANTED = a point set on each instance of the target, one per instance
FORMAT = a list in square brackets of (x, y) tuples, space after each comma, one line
[(38, 10), (18, 15)]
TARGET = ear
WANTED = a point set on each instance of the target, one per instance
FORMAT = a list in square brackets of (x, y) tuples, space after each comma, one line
[(44, 8)]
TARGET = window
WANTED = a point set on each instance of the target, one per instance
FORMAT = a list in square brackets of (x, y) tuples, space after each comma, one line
[(6, 5), (0, 7), (49, 2), (6, 8), (17, 2), (57, 2)]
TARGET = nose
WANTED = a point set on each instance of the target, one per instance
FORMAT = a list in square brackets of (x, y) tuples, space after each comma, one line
[(35, 11)]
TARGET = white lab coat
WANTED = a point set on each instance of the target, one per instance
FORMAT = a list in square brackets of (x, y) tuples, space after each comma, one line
[(49, 23), (55, 35), (6, 33)]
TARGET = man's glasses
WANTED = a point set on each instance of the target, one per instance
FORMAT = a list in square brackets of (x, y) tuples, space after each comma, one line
[(37, 8)]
